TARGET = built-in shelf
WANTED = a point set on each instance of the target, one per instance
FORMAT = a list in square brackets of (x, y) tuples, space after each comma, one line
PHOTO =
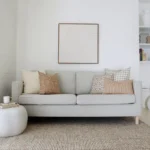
[(144, 62), (144, 0), (144, 27), (144, 31), (144, 44)]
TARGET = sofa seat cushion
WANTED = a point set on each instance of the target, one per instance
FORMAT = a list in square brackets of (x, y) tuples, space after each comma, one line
[(96, 99), (56, 99)]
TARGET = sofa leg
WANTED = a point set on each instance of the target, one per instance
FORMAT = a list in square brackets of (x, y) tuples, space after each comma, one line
[(137, 120)]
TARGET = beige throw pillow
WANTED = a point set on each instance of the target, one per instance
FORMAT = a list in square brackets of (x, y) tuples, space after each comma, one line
[(98, 83), (49, 84), (118, 87), (31, 82), (110, 71)]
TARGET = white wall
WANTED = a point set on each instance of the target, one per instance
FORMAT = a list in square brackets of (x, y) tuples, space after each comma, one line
[(37, 44), (7, 45)]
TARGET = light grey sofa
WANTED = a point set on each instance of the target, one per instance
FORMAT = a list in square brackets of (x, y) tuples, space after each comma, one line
[(76, 100)]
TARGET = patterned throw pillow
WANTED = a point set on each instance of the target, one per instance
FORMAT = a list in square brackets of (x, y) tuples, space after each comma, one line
[(49, 84), (122, 75), (98, 83), (118, 87), (119, 75)]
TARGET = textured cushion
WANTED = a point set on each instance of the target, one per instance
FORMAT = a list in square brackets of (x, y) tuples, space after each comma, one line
[(31, 82), (66, 81), (49, 84), (119, 75), (84, 81), (110, 71), (122, 75), (105, 99), (62, 99), (118, 87), (98, 83)]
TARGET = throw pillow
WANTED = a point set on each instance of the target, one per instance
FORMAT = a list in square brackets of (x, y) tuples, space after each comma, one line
[(111, 72), (31, 82), (122, 75), (49, 84), (98, 83), (119, 75), (118, 87)]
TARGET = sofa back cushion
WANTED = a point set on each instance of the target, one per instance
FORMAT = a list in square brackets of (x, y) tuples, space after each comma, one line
[(66, 81), (84, 81)]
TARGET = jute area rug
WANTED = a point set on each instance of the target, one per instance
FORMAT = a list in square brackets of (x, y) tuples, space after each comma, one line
[(80, 134)]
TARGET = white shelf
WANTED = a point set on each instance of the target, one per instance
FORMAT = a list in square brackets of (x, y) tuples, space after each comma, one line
[(143, 27), (144, 44), (144, 0), (144, 62)]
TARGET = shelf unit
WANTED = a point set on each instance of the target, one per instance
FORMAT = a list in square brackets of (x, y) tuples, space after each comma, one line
[(144, 0), (144, 45), (144, 62), (144, 27)]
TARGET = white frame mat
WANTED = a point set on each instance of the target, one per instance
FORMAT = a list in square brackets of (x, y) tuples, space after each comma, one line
[(78, 43)]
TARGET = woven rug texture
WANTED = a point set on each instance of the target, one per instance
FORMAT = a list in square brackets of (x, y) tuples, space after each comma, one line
[(80, 134)]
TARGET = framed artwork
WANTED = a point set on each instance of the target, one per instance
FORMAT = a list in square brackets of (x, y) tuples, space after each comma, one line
[(78, 43)]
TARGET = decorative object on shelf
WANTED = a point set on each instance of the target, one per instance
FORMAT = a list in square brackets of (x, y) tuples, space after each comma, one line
[(143, 55), (140, 51), (78, 43), (143, 37), (148, 39), (6, 99), (146, 17)]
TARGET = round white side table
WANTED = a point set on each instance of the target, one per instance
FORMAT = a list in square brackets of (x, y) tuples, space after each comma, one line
[(13, 121)]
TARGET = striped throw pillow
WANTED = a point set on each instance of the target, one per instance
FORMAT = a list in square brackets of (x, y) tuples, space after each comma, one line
[(118, 87)]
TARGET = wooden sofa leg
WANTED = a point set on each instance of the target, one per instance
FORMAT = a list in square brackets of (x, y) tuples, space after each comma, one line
[(137, 120)]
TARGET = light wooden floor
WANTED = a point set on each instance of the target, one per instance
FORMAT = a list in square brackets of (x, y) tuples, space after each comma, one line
[(145, 117)]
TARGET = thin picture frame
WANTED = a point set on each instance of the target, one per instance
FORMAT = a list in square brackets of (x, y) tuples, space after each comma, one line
[(97, 42)]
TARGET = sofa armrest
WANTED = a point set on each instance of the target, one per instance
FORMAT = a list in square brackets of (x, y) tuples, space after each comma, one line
[(17, 89), (137, 85)]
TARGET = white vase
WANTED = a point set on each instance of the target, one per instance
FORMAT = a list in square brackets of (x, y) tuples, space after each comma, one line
[(146, 17)]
